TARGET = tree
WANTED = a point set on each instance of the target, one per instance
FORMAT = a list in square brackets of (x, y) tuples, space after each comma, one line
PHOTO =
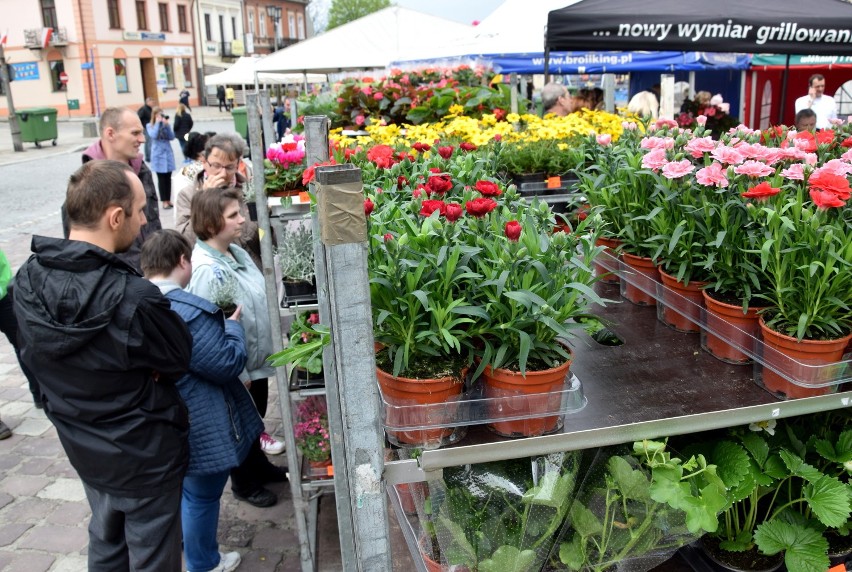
[(343, 11)]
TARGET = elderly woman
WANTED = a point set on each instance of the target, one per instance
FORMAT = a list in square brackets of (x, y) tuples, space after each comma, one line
[(217, 221), (162, 156), (222, 167)]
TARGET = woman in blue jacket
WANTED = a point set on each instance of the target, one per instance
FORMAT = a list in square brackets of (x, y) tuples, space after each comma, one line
[(162, 156), (223, 420)]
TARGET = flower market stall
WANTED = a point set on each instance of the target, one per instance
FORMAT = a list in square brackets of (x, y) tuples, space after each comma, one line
[(445, 293)]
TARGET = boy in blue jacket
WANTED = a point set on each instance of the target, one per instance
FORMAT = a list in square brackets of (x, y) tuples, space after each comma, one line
[(224, 423)]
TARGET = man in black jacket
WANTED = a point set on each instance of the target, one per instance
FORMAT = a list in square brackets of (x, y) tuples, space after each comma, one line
[(106, 349)]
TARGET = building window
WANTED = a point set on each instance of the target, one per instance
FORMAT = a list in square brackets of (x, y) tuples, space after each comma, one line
[(208, 32), (291, 25), (262, 32), (48, 14), (251, 22), (164, 17), (114, 15), (120, 65), (168, 71), (301, 30), (182, 27), (141, 16), (186, 66), (56, 68), (234, 28), (221, 28)]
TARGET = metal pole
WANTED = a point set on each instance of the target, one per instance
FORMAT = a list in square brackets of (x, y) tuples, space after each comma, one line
[(17, 143), (95, 81), (299, 505)]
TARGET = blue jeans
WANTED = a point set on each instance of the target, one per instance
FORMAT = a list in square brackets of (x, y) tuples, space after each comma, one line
[(199, 511)]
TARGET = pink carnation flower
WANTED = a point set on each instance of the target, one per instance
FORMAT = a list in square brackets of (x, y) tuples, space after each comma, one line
[(655, 160), (754, 169), (678, 169), (662, 122), (795, 172), (835, 167), (657, 143), (810, 159), (727, 155), (697, 147), (701, 120), (713, 175), (847, 156), (604, 139)]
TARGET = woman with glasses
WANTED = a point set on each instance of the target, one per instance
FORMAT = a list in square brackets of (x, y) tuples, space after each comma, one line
[(221, 163)]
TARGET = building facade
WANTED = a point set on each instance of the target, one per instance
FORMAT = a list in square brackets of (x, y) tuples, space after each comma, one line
[(274, 24), (81, 56)]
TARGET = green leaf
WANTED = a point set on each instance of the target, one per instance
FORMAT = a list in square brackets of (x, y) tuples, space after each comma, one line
[(553, 490), (571, 554), (508, 559), (805, 548), (584, 521), (732, 464), (633, 483), (829, 500)]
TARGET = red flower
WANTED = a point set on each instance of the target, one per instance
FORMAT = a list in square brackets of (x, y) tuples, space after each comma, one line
[(499, 114), (418, 192), (381, 155), (498, 137), (480, 207), (809, 140), (467, 146), (847, 142), (826, 199), (403, 155), (761, 192), (830, 183), (434, 170), (488, 188), (430, 206), (453, 212), (401, 181), (439, 184), (513, 230), (388, 237), (825, 137), (445, 152), (313, 318), (368, 207), (421, 147), (308, 174)]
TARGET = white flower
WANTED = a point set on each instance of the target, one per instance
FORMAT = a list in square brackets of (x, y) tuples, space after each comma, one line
[(768, 426)]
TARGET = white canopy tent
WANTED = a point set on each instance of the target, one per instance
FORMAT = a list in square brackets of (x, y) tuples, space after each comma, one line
[(243, 70), (371, 42)]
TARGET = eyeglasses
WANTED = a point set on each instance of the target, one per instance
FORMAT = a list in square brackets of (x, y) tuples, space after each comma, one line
[(228, 168)]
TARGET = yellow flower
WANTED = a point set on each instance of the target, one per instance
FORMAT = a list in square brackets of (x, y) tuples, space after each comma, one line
[(456, 109)]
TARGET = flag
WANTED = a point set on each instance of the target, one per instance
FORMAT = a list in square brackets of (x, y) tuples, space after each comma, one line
[(4, 36), (46, 34)]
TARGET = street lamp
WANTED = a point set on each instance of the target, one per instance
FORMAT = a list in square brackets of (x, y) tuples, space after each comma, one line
[(275, 13)]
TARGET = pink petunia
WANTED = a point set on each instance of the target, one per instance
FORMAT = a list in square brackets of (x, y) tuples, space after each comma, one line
[(754, 169), (697, 147), (655, 160), (713, 175), (678, 169)]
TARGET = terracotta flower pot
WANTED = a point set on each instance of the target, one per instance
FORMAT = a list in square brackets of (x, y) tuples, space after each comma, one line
[(410, 494), (535, 396), (803, 355), (731, 324), (610, 259), (681, 304), (640, 286), (403, 396)]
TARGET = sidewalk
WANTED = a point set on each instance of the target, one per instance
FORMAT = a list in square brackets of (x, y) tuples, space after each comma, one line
[(70, 136)]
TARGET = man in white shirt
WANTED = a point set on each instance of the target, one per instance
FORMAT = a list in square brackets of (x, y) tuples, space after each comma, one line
[(823, 105)]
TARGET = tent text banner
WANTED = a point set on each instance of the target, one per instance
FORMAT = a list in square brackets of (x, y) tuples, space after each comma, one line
[(777, 26)]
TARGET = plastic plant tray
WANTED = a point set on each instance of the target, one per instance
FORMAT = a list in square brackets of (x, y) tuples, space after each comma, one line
[(764, 357)]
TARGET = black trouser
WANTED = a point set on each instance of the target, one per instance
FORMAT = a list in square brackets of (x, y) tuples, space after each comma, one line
[(9, 326), (164, 184), (223, 102), (251, 473)]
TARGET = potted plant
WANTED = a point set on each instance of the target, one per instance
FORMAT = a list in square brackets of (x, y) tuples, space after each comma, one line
[(295, 253), (639, 505), (223, 291), (785, 484), (307, 365), (803, 233), (284, 165), (499, 517), (311, 431)]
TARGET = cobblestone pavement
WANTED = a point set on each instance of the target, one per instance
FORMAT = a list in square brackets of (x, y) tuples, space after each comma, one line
[(43, 510)]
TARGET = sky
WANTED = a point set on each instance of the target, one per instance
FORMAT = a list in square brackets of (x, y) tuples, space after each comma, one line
[(464, 11)]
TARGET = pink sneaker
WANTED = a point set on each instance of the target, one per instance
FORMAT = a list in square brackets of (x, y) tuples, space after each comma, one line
[(271, 445)]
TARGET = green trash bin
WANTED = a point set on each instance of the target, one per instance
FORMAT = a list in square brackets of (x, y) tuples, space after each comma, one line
[(37, 124), (240, 121)]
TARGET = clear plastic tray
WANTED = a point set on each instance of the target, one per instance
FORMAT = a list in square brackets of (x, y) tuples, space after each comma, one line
[(435, 425), (773, 370)]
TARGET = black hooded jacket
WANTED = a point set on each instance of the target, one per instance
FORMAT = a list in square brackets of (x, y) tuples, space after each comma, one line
[(106, 349)]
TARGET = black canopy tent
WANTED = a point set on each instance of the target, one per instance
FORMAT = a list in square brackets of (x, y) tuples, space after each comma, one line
[(818, 27)]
